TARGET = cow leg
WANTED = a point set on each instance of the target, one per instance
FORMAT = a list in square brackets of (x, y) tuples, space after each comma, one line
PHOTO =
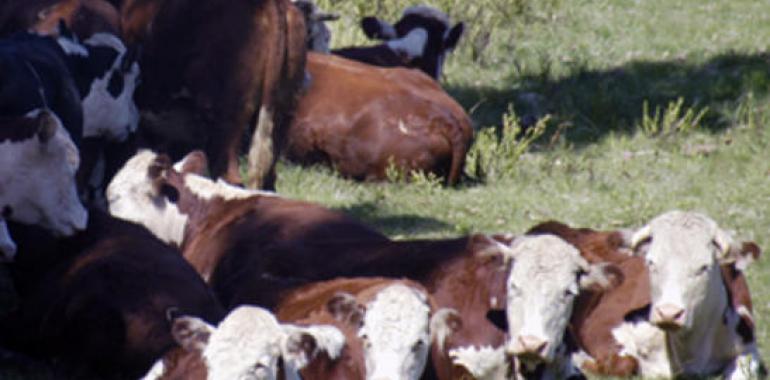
[(262, 152), (223, 152)]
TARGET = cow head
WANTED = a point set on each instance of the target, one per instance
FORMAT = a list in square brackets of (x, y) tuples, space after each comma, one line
[(683, 252), (546, 277), (139, 193), (248, 344), (423, 36), (38, 161), (318, 34), (106, 74), (393, 328), (7, 245)]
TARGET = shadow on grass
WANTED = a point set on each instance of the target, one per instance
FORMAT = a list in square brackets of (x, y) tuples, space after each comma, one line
[(596, 102), (392, 225)]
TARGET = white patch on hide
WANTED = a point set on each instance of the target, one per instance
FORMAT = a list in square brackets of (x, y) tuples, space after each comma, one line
[(411, 45), (485, 363), (156, 371), (103, 114), (207, 189), (72, 47), (646, 343), (260, 156)]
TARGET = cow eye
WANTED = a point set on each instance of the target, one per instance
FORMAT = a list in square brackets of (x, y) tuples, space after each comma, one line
[(417, 346), (650, 264), (703, 269)]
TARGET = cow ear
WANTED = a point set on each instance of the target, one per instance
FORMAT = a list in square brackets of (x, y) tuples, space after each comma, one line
[(46, 126), (453, 36), (301, 344), (377, 29), (601, 276), (344, 308), (444, 323), (741, 255), (191, 333), (195, 162)]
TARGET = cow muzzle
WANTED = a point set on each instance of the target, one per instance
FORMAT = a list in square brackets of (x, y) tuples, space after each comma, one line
[(529, 348), (668, 317)]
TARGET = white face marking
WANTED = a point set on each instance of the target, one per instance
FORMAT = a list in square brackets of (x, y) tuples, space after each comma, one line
[(104, 115), (131, 197), (396, 334), (542, 286), (39, 180), (411, 45), (685, 280), (248, 343), (7, 246), (647, 344), (485, 363)]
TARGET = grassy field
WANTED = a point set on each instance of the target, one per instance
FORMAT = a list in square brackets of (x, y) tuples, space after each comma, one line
[(652, 105)]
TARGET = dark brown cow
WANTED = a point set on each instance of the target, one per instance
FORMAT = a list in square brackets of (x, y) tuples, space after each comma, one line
[(101, 300), (231, 67), (251, 246), (362, 119), (84, 17), (598, 314)]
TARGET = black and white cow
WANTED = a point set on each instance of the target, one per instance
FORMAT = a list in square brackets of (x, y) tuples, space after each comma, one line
[(38, 161), (89, 86), (420, 39)]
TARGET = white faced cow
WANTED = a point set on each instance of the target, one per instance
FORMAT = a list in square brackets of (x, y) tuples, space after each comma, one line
[(38, 161), (248, 344), (693, 327), (547, 275)]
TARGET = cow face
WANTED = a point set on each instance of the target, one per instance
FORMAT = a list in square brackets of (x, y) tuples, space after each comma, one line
[(547, 275), (138, 194), (38, 161), (251, 344), (393, 328), (683, 252), (423, 36), (107, 84), (7, 245)]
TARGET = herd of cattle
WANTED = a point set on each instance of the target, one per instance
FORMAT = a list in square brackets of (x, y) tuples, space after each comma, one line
[(128, 264)]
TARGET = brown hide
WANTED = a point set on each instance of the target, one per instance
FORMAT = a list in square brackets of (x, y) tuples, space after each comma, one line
[(361, 119), (220, 61), (83, 17), (101, 300)]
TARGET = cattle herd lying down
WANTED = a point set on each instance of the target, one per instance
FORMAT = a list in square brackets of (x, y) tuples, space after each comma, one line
[(135, 253)]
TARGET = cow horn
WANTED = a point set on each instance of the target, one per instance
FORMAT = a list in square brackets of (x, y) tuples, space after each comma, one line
[(640, 236)]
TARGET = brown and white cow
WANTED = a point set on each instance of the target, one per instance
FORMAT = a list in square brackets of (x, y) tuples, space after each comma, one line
[(695, 326), (362, 119), (420, 39), (386, 323), (249, 343), (228, 67), (38, 161), (251, 246), (543, 288), (98, 303)]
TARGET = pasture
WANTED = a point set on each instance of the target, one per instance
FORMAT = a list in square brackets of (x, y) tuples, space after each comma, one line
[(647, 106)]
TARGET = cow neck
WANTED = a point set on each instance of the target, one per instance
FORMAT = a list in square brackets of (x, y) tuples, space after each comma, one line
[(207, 213)]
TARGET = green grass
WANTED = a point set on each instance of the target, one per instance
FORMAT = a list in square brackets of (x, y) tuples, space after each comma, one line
[(600, 69)]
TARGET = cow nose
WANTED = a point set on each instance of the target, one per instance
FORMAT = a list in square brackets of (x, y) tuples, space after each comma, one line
[(668, 316), (528, 345)]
